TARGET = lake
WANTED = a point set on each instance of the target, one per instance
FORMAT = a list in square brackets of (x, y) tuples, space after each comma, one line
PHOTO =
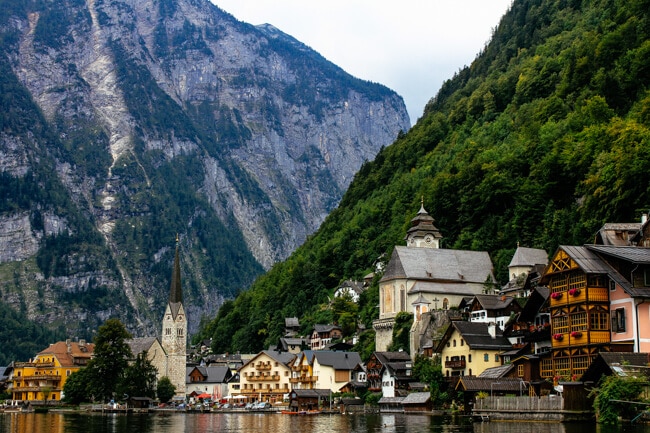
[(57, 422)]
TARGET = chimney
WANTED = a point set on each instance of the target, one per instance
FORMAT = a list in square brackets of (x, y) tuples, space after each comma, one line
[(492, 329), (82, 342)]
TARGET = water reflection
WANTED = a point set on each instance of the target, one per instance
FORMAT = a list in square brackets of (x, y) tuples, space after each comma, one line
[(261, 423)]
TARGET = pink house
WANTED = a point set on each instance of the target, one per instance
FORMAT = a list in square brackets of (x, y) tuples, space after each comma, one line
[(629, 293)]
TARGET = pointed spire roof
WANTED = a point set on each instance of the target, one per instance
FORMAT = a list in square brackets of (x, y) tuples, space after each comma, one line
[(422, 224), (175, 290)]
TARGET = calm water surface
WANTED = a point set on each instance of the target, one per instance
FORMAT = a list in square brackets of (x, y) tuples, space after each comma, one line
[(272, 423)]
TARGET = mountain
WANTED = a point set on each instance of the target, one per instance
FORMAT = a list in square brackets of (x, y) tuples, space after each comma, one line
[(127, 122), (541, 140)]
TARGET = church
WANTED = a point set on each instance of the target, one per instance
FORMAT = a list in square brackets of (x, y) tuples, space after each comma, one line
[(422, 276), (168, 353)]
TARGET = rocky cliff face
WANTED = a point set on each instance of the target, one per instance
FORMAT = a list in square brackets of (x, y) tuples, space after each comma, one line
[(125, 122)]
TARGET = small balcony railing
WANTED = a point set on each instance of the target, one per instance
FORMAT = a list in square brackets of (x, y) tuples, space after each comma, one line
[(456, 363)]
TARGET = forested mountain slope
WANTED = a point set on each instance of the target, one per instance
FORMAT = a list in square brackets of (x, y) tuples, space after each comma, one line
[(542, 139), (126, 122)]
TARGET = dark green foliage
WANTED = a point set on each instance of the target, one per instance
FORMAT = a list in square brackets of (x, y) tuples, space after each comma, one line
[(540, 141), (76, 388), (110, 360), (613, 396), (139, 378), (402, 333), (165, 389), (21, 338)]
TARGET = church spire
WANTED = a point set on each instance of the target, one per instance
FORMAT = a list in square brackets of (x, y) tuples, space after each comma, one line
[(422, 232), (176, 291)]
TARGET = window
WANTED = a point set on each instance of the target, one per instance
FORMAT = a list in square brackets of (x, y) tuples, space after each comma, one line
[(520, 370), (560, 324), (462, 342), (598, 319), (496, 357), (469, 358), (618, 320), (579, 321), (454, 343), (486, 357)]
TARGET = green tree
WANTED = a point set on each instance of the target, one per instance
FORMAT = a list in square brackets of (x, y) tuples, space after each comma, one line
[(75, 390), (139, 378), (165, 389), (613, 389), (110, 360), (402, 332)]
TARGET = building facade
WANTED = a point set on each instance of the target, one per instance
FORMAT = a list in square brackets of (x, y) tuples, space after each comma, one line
[(42, 378)]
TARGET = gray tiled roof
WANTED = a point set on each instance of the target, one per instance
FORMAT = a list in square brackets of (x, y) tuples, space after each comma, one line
[(417, 398), (528, 257), (631, 254), (497, 372), (438, 264), (338, 360), (494, 302), (139, 345), (502, 384), (476, 336)]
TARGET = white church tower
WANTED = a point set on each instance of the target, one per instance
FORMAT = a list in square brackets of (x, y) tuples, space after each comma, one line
[(174, 330)]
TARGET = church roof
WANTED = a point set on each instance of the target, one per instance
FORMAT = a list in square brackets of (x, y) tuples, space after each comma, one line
[(437, 264), (528, 257), (139, 345)]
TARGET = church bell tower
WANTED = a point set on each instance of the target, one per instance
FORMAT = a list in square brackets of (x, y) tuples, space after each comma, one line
[(174, 330)]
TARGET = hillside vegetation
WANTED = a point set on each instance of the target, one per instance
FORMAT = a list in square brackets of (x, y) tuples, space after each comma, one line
[(540, 141)]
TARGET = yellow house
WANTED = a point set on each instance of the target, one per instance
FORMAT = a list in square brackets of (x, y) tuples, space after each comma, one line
[(43, 377), (468, 348), (265, 377)]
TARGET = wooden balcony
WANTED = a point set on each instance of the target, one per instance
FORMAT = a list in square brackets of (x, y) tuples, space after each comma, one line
[(583, 338), (262, 367), (579, 296), (303, 379), (34, 364), (457, 363), (54, 377), (264, 378)]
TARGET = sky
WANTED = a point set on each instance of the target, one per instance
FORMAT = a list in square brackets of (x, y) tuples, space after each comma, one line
[(410, 46)]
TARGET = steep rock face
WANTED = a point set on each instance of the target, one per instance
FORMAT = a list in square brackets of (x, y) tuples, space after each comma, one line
[(133, 120)]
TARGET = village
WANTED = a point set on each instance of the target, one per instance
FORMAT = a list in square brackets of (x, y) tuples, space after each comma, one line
[(533, 349)]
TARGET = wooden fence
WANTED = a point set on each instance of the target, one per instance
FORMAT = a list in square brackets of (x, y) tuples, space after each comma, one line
[(520, 404)]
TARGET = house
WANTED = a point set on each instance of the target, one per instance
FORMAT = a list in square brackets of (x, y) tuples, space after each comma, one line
[(617, 363), (417, 402), (266, 376), (44, 377), (525, 263), (310, 399), (435, 277), (324, 335), (389, 373), (352, 289), (493, 308), (532, 325), (359, 382), (468, 348), (291, 326), (292, 344), (333, 370), (302, 376), (595, 297), (208, 380)]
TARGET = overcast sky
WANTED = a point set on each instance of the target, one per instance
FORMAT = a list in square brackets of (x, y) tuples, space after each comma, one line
[(410, 46)]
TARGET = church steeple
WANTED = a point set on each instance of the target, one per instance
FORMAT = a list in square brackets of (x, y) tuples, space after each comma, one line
[(175, 290), (174, 329), (422, 232)]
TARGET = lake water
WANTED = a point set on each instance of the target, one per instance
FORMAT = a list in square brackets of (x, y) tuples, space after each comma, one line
[(272, 423)]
